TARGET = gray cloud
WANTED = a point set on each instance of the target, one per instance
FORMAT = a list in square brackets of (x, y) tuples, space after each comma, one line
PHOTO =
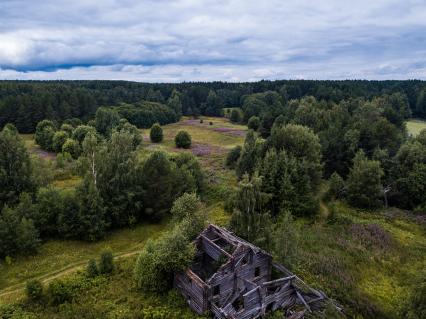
[(212, 40)]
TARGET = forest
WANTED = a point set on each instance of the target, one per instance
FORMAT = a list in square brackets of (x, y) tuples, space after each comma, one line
[(326, 175)]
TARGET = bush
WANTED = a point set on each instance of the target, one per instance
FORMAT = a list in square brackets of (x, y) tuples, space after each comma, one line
[(160, 259), (58, 140), (67, 128), (92, 268), (156, 133), (336, 186), (253, 123), (233, 156), (364, 182), (44, 134), (59, 292), (210, 123), (235, 116), (106, 264), (71, 147), (201, 121), (34, 289), (187, 210), (183, 140), (81, 131)]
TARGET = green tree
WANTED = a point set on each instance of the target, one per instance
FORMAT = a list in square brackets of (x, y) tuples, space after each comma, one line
[(157, 183), (336, 186), (58, 140), (106, 120), (213, 104), (253, 123), (17, 233), (233, 156), (44, 134), (420, 109), (250, 218), (364, 183), (15, 167), (301, 143), (118, 179), (183, 139), (248, 158), (188, 213), (67, 128), (174, 102), (93, 222), (125, 126), (160, 259), (81, 131), (235, 116), (156, 133), (71, 147), (49, 205), (286, 179)]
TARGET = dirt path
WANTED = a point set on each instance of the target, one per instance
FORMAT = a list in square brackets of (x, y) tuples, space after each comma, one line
[(46, 278)]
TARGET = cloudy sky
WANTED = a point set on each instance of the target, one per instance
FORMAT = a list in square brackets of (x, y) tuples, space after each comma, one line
[(203, 40)]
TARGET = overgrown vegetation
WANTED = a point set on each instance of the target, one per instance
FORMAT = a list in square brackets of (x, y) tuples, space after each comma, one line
[(313, 182)]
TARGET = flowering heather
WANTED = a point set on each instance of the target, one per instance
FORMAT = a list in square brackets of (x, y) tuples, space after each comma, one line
[(232, 131), (205, 149), (372, 235)]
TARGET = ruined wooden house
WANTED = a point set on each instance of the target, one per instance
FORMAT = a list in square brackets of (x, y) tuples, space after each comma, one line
[(232, 278)]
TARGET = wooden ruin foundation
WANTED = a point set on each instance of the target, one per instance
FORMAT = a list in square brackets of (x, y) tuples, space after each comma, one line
[(233, 279)]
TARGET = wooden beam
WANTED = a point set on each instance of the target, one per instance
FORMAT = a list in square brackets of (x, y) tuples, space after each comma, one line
[(216, 246)]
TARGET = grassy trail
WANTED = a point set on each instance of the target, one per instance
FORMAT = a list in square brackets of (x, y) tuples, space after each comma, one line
[(46, 278)]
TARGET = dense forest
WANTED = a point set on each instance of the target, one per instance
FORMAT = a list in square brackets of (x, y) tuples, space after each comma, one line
[(25, 103), (306, 143)]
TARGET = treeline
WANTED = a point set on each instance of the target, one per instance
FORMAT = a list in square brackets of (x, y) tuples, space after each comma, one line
[(118, 187), (360, 145), (25, 103)]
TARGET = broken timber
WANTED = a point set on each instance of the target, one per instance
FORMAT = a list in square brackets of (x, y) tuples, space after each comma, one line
[(233, 279)]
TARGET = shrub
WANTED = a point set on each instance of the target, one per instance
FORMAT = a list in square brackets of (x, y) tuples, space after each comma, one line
[(201, 121), (44, 134), (92, 268), (233, 156), (364, 183), (235, 116), (336, 186), (58, 140), (81, 131), (187, 211), (183, 140), (34, 289), (71, 147), (253, 123), (160, 259), (59, 292), (106, 264), (67, 128), (156, 133), (210, 123)]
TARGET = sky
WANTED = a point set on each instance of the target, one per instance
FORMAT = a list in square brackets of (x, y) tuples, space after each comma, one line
[(203, 40)]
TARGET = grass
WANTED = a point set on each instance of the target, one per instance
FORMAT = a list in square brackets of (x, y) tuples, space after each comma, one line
[(368, 279), (61, 255), (112, 297), (414, 126)]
